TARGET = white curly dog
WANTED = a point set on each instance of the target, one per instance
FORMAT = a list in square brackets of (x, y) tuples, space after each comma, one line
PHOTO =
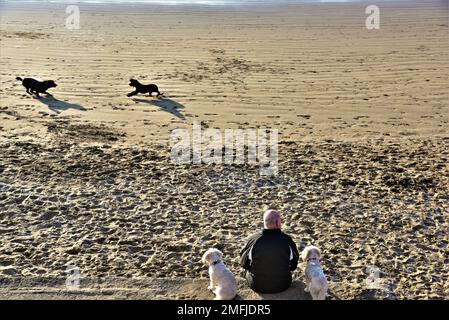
[(222, 281), (316, 282)]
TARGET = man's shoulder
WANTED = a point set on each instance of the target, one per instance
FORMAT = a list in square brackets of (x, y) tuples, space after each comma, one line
[(255, 236), (282, 235), (286, 236)]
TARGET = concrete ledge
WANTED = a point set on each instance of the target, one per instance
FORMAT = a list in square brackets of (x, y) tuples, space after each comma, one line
[(135, 289)]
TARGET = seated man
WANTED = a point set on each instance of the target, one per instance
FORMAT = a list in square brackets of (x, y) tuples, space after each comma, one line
[(269, 257)]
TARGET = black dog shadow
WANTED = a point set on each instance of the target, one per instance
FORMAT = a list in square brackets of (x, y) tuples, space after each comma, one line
[(58, 106), (166, 105)]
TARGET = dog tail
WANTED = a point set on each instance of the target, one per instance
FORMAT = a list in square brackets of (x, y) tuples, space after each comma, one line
[(19, 78)]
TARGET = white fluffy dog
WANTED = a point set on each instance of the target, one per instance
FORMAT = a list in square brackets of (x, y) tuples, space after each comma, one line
[(222, 281), (316, 282)]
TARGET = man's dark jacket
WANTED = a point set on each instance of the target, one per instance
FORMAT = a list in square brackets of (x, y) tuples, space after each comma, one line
[(269, 257)]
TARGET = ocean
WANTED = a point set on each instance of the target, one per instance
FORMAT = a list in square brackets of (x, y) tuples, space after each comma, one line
[(196, 2)]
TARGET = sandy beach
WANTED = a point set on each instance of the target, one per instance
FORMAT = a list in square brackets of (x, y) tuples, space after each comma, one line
[(86, 177)]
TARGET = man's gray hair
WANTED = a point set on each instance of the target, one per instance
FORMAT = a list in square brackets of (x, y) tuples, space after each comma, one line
[(271, 218)]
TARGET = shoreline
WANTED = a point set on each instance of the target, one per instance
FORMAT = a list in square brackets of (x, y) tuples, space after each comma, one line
[(263, 5)]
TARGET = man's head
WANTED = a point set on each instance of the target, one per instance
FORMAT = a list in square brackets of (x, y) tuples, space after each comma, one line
[(271, 219)]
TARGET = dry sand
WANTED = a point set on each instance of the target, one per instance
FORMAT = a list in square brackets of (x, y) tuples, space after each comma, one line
[(86, 178)]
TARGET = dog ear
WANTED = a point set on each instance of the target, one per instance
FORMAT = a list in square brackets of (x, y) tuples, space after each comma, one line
[(205, 257), (305, 253), (220, 254)]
